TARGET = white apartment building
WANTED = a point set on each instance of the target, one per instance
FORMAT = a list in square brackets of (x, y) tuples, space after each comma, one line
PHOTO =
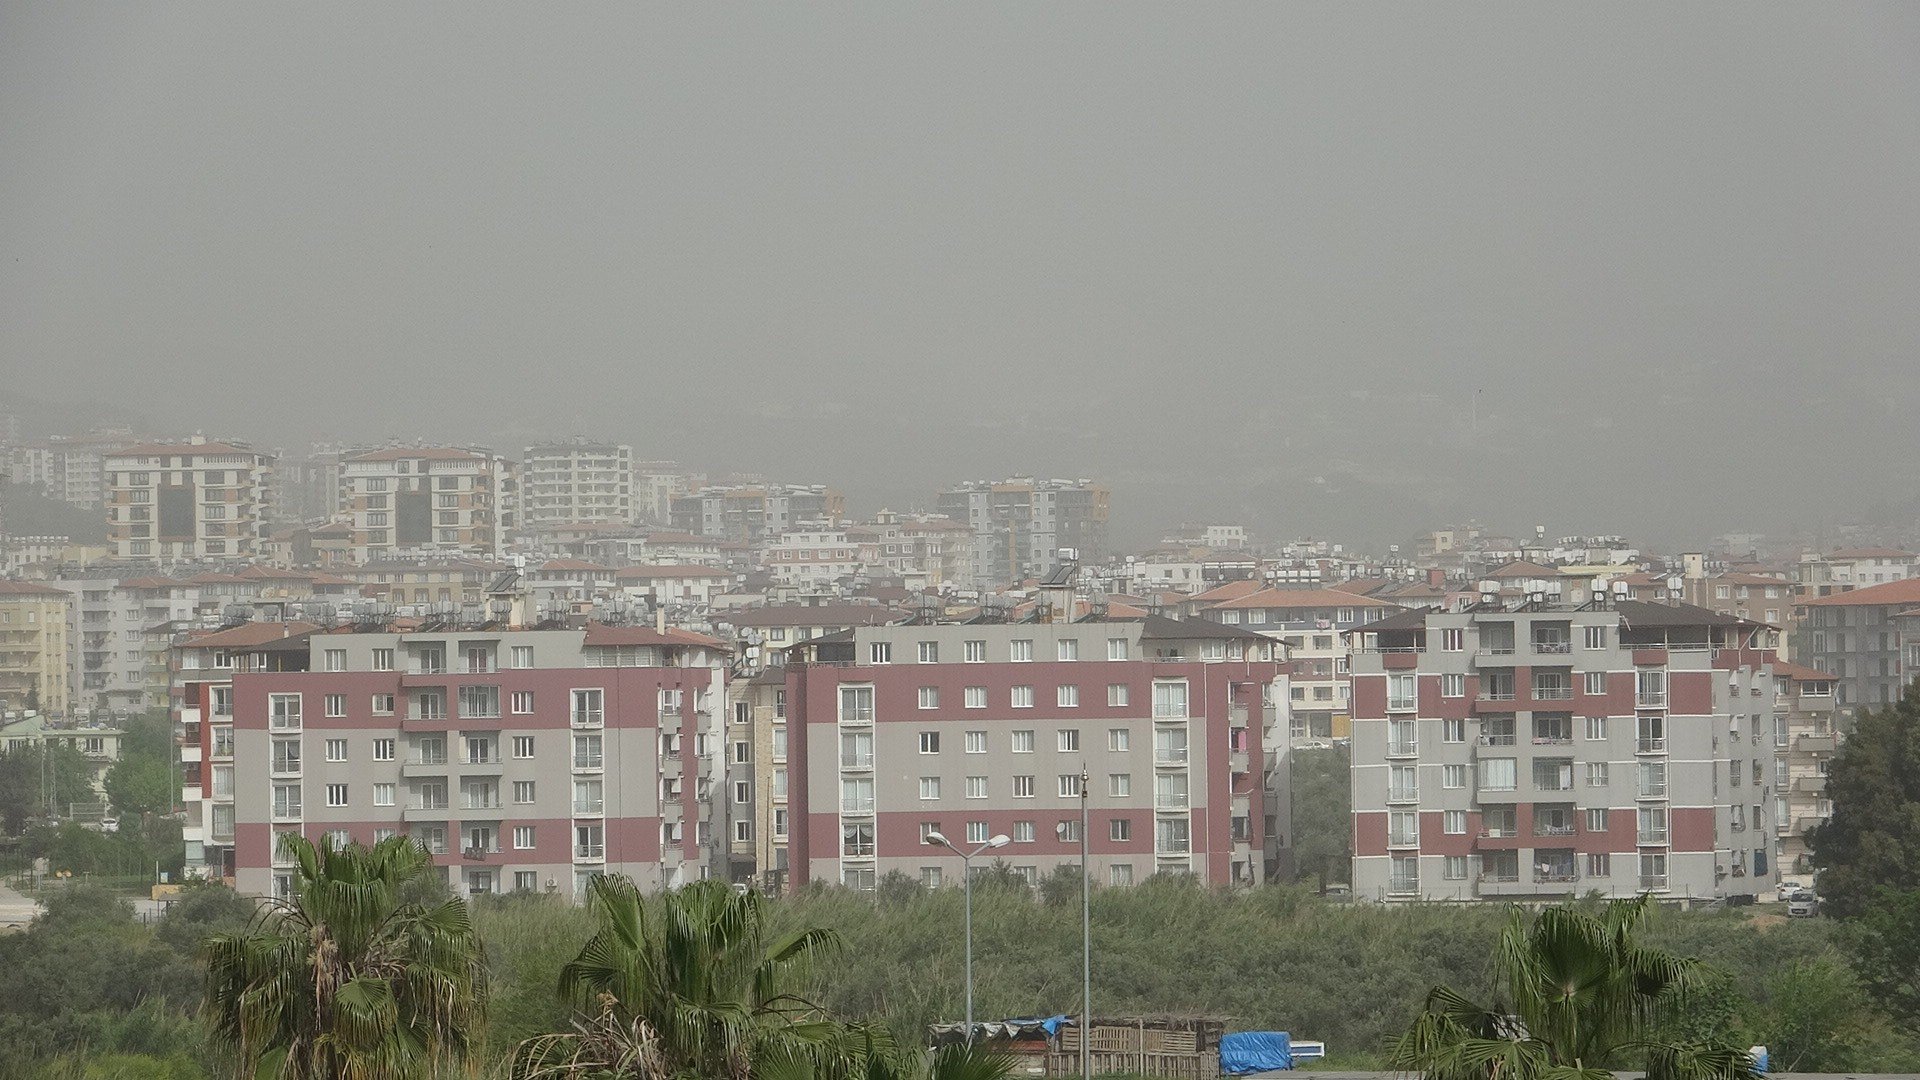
[(427, 500), (188, 501), (576, 483)]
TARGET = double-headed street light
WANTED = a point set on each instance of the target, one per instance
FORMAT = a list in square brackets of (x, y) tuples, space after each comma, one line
[(939, 839)]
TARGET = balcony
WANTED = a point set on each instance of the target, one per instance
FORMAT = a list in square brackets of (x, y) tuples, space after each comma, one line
[(1540, 829), (1403, 838), (1402, 795), (1403, 747), (1653, 882), (589, 853), (1175, 758), (483, 763), (1553, 646), (1552, 693), (1814, 744), (1647, 700), (588, 719), (1653, 791), (588, 763), (1655, 837), (1651, 746), (1497, 739), (1558, 875), (856, 762), (1403, 886), (1810, 785), (1170, 802)]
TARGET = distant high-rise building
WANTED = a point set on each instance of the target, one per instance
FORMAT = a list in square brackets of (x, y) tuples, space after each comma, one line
[(191, 500), (576, 484), (750, 512), (420, 500), (71, 469), (1020, 524)]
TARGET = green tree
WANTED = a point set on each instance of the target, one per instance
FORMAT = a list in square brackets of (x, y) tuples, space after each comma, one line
[(34, 779), (1322, 797), (690, 983), (1868, 853), (140, 786), (347, 979), (1580, 995)]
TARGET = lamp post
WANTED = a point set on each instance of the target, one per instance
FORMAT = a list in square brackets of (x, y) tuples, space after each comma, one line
[(1086, 935), (939, 839)]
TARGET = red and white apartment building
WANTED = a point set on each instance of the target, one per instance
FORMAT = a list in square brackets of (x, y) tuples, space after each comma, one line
[(1541, 750), (974, 730)]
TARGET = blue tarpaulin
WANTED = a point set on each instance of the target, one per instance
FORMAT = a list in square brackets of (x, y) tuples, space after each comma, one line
[(1255, 1051)]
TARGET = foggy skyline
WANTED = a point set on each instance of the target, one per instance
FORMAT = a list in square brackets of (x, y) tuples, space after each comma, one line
[(1323, 269)]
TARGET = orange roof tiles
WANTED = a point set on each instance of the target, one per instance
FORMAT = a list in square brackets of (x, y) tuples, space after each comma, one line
[(1302, 598), (248, 635), (1799, 673), (1904, 593)]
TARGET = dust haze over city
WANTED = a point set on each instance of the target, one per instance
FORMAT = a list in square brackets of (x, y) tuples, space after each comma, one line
[(1329, 271)]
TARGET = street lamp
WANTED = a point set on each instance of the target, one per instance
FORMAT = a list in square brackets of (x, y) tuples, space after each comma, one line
[(939, 839), (1086, 935)]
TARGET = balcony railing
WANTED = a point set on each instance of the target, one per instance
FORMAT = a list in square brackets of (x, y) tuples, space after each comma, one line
[(1553, 693), (588, 762), (1407, 838), (1553, 647), (480, 802), (1653, 882), (1170, 758), (589, 852), (1403, 747), (1553, 830), (1403, 794), (861, 762), (1653, 791), (589, 718), (1653, 836), (1555, 875), (1403, 886), (1647, 700), (1652, 746), (1505, 739), (1170, 802)]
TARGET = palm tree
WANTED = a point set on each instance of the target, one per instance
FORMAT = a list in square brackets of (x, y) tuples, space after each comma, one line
[(692, 984), (1582, 996), (348, 979)]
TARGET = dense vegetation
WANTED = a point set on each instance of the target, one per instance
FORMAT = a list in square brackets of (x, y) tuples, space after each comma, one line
[(89, 975)]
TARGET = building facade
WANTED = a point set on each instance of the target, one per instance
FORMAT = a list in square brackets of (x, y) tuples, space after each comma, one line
[(523, 760), (427, 500), (1019, 525), (197, 500), (977, 730), (1536, 750), (1312, 624), (1805, 738), (576, 483), (1856, 637), (34, 625), (748, 513)]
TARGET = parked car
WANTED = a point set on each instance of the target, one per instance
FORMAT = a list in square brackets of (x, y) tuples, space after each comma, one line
[(1803, 904)]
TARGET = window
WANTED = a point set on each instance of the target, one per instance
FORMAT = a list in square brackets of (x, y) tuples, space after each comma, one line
[(1170, 700), (1021, 650), (973, 652), (336, 794), (929, 742), (1023, 787), (880, 652), (929, 697), (1454, 822), (1067, 740), (286, 800), (480, 701), (1456, 868), (588, 797), (1453, 731), (742, 792), (1498, 774), (976, 787), (382, 705), (1400, 693), (383, 794), (1597, 819), (976, 832), (856, 749), (929, 877), (1070, 785), (1453, 685), (1120, 874), (336, 749), (1120, 785), (1453, 776), (283, 711), (523, 791), (523, 746), (522, 702), (1453, 639), (1067, 649), (520, 656), (929, 787), (1119, 740), (1596, 728), (742, 752), (929, 652), (286, 755), (1116, 695), (586, 751), (333, 659), (1594, 637), (1652, 688), (1022, 742), (589, 708), (1023, 697), (976, 697), (383, 749), (1116, 648), (976, 742), (1594, 683), (1066, 697), (856, 704), (1599, 864)]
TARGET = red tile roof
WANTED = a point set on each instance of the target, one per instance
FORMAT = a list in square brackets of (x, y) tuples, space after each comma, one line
[(429, 453), (1798, 673), (668, 570), (249, 635), (10, 587), (1521, 568), (1870, 553), (179, 449), (602, 634), (1232, 590), (1904, 593), (571, 564)]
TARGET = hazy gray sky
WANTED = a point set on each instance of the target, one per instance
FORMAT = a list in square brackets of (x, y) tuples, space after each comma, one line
[(1248, 260)]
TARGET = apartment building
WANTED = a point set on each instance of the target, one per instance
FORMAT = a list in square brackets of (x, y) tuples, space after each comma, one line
[(975, 730), (425, 582), (576, 483), (428, 500), (1539, 751), (1018, 525), (748, 513), (757, 810), (98, 741), (1856, 636), (108, 637), (761, 635), (196, 500), (673, 586), (1312, 624), (927, 550), (523, 760), (34, 622), (812, 557), (71, 469), (1805, 738)]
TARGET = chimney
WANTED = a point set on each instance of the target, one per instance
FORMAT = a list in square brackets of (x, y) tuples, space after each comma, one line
[(1436, 577), (660, 618)]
